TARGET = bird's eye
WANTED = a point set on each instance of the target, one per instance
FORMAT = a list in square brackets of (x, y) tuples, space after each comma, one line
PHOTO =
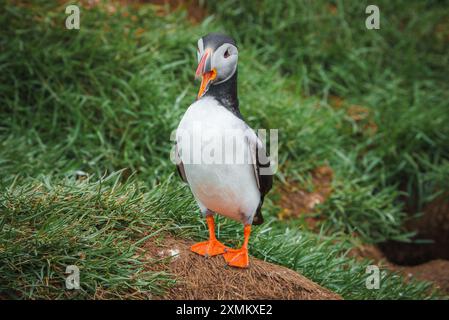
[(227, 53)]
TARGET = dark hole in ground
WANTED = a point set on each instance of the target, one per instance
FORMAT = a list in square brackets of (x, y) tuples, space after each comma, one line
[(432, 240)]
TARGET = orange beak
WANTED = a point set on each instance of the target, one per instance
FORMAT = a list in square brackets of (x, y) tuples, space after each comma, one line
[(206, 76), (205, 82)]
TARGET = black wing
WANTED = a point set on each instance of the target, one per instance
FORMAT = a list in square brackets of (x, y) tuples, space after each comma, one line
[(263, 174), (180, 165)]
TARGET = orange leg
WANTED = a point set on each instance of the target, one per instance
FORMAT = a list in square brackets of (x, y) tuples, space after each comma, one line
[(239, 257), (212, 247)]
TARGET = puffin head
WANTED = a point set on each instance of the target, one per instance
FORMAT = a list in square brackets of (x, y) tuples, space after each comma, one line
[(217, 60)]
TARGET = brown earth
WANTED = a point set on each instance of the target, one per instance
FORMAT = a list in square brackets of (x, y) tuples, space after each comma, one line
[(200, 278), (432, 226), (360, 115), (428, 259), (195, 11), (435, 271), (297, 202)]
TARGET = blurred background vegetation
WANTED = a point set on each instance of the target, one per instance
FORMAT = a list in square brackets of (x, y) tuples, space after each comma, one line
[(86, 117)]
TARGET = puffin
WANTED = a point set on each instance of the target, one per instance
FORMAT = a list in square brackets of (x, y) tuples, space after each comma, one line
[(218, 155)]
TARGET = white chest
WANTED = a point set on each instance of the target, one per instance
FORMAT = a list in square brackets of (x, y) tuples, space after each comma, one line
[(215, 154)]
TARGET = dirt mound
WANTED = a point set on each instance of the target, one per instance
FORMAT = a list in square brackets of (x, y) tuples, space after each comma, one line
[(208, 278), (435, 271)]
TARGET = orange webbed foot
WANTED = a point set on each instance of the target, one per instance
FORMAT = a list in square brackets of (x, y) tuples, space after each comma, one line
[(208, 248), (237, 257)]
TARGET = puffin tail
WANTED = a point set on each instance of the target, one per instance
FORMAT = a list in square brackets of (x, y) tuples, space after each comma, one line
[(258, 218)]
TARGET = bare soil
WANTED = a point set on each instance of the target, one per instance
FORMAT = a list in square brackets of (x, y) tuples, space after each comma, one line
[(195, 11), (435, 271), (433, 232), (200, 278), (428, 257), (297, 202)]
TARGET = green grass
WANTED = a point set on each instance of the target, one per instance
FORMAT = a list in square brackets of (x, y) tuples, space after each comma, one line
[(105, 99), (96, 226), (99, 226)]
